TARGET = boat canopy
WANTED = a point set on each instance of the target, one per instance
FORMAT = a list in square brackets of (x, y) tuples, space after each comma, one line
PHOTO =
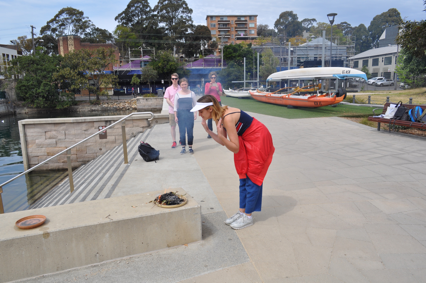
[(317, 73)]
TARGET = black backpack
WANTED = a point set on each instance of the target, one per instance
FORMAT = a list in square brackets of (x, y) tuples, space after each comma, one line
[(148, 153)]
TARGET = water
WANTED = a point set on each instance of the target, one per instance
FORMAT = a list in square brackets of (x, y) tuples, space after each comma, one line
[(19, 194)]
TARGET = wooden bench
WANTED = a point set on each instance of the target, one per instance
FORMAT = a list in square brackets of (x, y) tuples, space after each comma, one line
[(392, 122)]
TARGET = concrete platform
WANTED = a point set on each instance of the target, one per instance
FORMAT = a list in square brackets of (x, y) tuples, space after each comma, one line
[(342, 203), (84, 233)]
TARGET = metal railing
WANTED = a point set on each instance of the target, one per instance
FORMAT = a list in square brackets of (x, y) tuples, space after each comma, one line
[(68, 151)]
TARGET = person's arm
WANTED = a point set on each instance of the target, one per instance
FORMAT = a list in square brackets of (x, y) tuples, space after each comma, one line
[(207, 89), (220, 88), (232, 144), (194, 101), (167, 98)]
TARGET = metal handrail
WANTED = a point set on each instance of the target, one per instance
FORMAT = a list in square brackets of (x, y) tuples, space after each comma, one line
[(68, 150)]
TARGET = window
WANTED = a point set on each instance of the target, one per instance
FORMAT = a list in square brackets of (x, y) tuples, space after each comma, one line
[(251, 18), (374, 75), (212, 25), (232, 29), (213, 32), (240, 18), (387, 75), (212, 18), (251, 31), (388, 60), (365, 63), (232, 22), (232, 35), (356, 64), (251, 25), (223, 18), (375, 62)]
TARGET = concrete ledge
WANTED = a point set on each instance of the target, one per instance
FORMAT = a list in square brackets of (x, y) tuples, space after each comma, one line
[(91, 232)]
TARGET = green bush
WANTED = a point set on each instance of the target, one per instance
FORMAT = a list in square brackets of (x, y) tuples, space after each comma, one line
[(149, 95)]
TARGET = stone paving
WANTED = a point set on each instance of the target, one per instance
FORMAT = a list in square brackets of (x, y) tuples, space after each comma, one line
[(342, 203)]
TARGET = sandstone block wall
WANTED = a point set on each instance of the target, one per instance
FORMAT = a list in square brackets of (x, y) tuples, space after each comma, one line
[(43, 138)]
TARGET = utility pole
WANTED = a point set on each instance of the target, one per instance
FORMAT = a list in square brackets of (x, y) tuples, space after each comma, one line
[(32, 35)]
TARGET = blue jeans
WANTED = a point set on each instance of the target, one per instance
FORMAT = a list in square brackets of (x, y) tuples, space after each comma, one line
[(186, 126), (210, 121), (250, 195)]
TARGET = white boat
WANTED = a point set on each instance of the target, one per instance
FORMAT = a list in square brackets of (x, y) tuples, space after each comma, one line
[(238, 93)]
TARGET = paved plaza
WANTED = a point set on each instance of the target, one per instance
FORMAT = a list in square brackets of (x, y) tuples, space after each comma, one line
[(342, 203)]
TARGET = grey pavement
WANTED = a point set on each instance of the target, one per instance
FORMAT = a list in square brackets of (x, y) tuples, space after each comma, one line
[(342, 203)]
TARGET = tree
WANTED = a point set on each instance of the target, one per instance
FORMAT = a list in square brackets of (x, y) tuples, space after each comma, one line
[(137, 13), (67, 21), (37, 86), (362, 39), (413, 38), (411, 69), (270, 64), (196, 42), (288, 25), (165, 64), (149, 75), (346, 28), (298, 40), (233, 72), (25, 45), (86, 69), (365, 70), (308, 23), (380, 22), (97, 35), (135, 80), (338, 36), (262, 29), (176, 17)]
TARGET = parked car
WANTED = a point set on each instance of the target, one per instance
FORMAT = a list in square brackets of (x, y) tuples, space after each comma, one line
[(373, 80), (385, 82)]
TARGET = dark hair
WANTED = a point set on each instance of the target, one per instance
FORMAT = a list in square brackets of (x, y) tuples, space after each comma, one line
[(217, 109)]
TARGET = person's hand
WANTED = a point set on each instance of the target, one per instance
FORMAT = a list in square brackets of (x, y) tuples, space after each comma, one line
[(220, 128), (176, 119), (195, 116), (204, 124)]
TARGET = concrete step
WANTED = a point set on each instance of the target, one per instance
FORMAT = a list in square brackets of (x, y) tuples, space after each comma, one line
[(96, 179)]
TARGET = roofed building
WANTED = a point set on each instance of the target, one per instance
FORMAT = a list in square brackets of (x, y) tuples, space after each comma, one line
[(233, 28)]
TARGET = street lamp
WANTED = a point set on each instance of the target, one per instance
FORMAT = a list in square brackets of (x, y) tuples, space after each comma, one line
[(331, 19)]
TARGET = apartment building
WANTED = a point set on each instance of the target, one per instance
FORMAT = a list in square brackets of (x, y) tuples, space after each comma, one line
[(233, 28), (8, 53)]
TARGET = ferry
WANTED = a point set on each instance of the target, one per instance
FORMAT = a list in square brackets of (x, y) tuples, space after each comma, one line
[(308, 87)]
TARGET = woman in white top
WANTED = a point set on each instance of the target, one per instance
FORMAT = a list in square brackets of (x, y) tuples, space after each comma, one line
[(184, 101)]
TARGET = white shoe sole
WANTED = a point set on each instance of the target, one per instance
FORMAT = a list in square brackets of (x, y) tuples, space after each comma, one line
[(245, 226)]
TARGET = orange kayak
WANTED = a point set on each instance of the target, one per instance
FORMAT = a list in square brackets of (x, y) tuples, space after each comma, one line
[(308, 100)]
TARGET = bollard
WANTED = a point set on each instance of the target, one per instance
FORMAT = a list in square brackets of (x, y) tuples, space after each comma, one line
[(1, 201), (70, 170), (387, 99), (123, 134), (353, 99), (369, 99), (410, 101)]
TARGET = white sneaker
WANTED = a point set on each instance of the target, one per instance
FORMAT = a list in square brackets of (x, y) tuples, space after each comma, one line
[(233, 218), (242, 222)]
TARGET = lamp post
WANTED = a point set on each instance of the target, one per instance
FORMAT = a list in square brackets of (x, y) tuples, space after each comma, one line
[(331, 19)]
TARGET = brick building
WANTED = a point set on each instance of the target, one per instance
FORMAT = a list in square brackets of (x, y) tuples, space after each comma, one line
[(233, 28), (70, 43)]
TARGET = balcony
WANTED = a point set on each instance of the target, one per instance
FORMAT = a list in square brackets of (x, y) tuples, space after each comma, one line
[(224, 27), (223, 21), (240, 21), (220, 35)]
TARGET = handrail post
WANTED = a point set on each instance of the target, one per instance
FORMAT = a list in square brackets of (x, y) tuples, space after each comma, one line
[(1, 201), (123, 134), (70, 170)]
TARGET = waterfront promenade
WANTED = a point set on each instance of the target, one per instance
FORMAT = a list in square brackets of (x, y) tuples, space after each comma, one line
[(342, 203)]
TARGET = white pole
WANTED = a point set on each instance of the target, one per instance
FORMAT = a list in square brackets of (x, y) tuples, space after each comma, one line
[(289, 55), (258, 70), (323, 48), (244, 73)]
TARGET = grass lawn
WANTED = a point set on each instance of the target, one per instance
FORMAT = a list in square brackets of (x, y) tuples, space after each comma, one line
[(379, 97), (251, 105)]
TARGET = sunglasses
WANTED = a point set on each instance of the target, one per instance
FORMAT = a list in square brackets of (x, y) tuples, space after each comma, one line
[(213, 77), (173, 79)]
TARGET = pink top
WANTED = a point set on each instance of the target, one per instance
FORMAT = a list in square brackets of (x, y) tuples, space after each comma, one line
[(170, 94), (213, 90)]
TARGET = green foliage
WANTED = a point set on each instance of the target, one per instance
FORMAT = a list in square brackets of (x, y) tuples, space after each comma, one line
[(175, 16), (413, 38), (265, 31), (149, 95), (362, 38), (135, 80), (137, 13), (365, 70), (337, 32), (165, 64), (270, 63), (411, 70), (194, 41), (288, 25), (233, 72), (392, 17), (149, 75), (37, 86), (86, 69)]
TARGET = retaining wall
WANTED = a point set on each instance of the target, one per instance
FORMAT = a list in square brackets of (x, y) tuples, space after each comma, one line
[(43, 138), (5, 108)]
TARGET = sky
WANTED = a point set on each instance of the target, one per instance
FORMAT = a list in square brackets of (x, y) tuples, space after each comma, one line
[(18, 15)]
